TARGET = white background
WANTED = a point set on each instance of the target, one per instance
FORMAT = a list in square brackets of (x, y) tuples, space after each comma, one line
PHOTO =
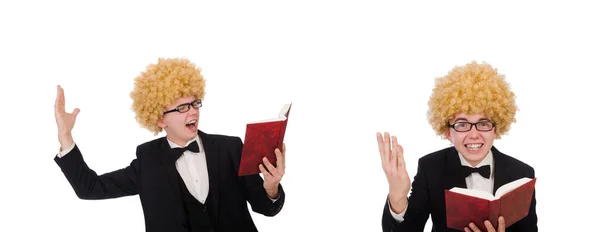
[(350, 69)]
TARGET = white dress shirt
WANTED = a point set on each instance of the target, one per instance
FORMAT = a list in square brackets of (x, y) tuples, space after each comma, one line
[(193, 170), (473, 181), (191, 166)]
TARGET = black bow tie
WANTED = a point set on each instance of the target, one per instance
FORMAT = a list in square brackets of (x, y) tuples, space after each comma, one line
[(178, 151), (483, 171)]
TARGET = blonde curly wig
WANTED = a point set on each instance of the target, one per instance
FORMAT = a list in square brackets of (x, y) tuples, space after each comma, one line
[(472, 89), (160, 85)]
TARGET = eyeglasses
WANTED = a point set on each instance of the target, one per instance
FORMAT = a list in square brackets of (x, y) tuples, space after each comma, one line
[(185, 107), (482, 126)]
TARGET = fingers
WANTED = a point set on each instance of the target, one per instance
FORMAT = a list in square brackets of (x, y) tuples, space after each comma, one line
[(381, 150), (274, 172), (392, 154), (473, 227), (60, 100), (394, 161), (385, 150), (280, 160), (398, 152), (264, 171), (397, 162), (501, 225), (386, 145), (57, 101), (57, 94), (488, 226), (283, 155)]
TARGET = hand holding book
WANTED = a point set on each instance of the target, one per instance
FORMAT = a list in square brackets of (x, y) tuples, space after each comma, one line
[(262, 142), (469, 206), (273, 174), (488, 226)]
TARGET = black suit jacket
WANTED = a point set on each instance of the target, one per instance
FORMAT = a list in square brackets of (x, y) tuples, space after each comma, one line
[(439, 171), (156, 183)]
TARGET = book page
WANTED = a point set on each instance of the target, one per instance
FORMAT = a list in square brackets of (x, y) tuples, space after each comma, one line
[(473, 193), (511, 186), (284, 111), (282, 115), (268, 120)]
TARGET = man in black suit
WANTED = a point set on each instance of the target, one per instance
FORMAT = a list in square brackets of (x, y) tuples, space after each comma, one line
[(471, 107), (187, 180)]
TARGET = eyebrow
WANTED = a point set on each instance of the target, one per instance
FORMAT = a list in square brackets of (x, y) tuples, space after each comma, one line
[(464, 119), (183, 104)]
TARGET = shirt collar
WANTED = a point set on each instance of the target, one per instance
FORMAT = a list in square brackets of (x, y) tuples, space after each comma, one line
[(197, 139), (488, 160)]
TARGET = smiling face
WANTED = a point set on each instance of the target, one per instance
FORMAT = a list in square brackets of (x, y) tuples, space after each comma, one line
[(180, 120), (474, 143)]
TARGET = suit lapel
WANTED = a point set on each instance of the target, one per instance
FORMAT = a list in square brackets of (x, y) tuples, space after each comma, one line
[(211, 151), (452, 170), (501, 169), (168, 166)]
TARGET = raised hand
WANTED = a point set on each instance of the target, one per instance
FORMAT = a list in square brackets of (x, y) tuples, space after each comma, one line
[(488, 225), (64, 121), (274, 174), (392, 160)]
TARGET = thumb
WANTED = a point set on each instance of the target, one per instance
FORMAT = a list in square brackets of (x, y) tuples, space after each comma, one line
[(76, 112)]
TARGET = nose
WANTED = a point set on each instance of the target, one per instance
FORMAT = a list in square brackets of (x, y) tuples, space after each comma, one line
[(193, 110), (473, 133)]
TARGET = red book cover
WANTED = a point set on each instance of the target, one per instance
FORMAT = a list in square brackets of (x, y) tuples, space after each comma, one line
[(261, 140), (511, 201)]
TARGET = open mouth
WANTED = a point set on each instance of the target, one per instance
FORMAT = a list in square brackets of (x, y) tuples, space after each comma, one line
[(474, 146), (192, 125)]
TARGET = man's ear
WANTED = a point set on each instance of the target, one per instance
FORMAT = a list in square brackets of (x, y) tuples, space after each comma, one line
[(160, 123), (448, 135)]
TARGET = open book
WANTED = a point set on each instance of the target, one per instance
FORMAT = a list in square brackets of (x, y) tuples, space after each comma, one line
[(262, 137), (512, 201)]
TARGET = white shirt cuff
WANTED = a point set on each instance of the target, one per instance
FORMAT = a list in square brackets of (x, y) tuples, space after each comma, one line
[(273, 200), (66, 151), (399, 217)]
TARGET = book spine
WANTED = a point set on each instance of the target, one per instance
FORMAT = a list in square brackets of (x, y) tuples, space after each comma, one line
[(283, 128), (495, 212), (282, 134)]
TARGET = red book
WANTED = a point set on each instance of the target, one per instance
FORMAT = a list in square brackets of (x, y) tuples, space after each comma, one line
[(511, 201), (261, 140)]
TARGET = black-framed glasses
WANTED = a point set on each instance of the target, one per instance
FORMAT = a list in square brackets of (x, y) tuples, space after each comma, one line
[(185, 107), (482, 126)]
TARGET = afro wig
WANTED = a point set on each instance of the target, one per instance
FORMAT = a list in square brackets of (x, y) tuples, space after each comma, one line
[(472, 89), (160, 85)]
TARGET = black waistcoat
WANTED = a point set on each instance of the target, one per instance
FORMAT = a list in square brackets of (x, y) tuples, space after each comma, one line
[(198, 215)]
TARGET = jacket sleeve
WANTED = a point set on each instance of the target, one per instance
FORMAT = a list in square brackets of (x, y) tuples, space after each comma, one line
[(418, 210), (90, 186)]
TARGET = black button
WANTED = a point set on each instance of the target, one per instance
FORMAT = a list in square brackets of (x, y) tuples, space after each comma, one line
[(184, 225)]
